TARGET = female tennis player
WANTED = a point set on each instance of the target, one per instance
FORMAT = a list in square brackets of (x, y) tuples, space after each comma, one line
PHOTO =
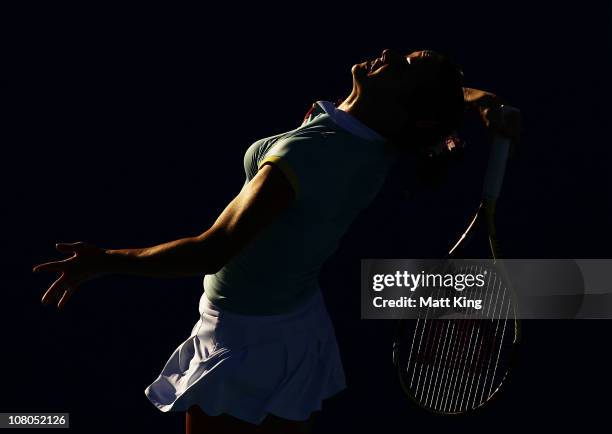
[(263, 355)]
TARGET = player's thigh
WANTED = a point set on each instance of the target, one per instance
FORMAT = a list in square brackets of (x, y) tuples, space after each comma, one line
[(198, 422)]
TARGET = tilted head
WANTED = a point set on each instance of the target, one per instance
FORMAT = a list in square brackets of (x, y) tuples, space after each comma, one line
[(415, 100)]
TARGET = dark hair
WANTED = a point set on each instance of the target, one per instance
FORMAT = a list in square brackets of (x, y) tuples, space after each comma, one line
[(439, 99), (437, 106)]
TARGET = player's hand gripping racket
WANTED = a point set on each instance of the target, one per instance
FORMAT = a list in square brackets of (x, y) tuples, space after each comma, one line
[(456, 365)]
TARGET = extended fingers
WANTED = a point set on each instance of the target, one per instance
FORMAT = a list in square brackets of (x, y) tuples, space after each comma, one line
[(64, 247), (55, 289), (71, 247), (51, 266), (58, 265), (67, 294)]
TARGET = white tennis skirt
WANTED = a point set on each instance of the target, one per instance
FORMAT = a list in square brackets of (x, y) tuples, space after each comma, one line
[(249, 366)]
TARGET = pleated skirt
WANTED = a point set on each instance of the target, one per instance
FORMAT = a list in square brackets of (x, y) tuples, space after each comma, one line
[(251, 366)]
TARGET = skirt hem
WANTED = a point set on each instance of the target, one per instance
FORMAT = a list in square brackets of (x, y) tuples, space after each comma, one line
[(244, 413)]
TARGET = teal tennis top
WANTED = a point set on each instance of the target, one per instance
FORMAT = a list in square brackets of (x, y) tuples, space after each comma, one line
[(335, 174)]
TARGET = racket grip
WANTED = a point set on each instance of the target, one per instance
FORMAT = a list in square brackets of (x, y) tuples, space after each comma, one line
[(496, 168)]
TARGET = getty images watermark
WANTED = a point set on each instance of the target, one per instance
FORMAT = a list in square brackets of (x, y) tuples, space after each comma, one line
[(485, 289)]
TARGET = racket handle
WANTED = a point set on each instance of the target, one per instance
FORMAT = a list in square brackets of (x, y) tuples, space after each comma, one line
[(496, 168)]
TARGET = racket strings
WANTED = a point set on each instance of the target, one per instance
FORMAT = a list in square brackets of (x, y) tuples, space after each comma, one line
[(425, 355), (472, 353), (453, 365), (488, 345), (463, 351), (449, 369), (484, 350)]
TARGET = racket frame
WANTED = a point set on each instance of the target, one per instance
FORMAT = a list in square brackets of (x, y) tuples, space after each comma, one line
[(500, 149)]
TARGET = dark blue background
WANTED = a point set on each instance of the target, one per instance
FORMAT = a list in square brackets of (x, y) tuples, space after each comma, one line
[(126, 128)]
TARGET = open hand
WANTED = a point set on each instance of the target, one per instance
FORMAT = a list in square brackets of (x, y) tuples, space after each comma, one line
[(85, 263)]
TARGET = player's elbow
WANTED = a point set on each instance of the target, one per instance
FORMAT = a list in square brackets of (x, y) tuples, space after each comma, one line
[(215, 250), (263, 200)]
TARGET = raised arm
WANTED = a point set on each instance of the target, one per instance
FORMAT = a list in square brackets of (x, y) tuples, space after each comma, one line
[(262, 200)]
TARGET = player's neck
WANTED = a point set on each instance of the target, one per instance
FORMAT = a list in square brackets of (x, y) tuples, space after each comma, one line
[(365, 113)]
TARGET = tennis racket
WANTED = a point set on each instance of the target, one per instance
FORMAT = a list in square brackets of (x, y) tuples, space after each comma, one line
[(456, 361)]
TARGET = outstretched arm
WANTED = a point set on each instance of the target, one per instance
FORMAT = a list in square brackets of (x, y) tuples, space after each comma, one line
[(263, 199)]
